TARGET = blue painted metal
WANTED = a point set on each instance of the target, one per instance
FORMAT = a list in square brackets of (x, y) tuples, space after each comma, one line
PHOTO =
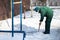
[(20, 15), (12, 31), (24, 34), (12, 18)]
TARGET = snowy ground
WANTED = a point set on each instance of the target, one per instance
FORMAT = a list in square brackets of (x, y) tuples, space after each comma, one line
[(30, 26)]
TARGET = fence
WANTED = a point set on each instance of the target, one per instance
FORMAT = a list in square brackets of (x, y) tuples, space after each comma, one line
[(12, 31)]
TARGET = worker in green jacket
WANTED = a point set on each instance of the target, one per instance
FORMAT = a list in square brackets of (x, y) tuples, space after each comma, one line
[(48, 13)]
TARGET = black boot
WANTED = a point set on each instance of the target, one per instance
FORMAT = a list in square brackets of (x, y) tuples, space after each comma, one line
[(46, 32)]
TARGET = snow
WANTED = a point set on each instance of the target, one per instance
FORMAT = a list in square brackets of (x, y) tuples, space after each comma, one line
[(7, 36), (30, 26)]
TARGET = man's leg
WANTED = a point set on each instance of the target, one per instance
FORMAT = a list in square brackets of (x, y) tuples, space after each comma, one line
[(47, 25)]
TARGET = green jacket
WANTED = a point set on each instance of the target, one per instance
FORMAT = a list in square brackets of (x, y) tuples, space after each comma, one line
[(45, 12)]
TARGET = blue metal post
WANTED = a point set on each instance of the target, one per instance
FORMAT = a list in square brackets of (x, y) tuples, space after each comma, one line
[(20, 31), (12, 18), (20, 15)]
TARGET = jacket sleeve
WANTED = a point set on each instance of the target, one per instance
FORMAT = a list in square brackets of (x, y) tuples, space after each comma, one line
[(42, 17), (42, 12)]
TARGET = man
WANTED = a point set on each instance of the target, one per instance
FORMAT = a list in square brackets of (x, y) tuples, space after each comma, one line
[(48, 13)]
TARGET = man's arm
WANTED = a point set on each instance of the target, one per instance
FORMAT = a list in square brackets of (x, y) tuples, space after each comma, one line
[(42, 17), (40, 21), (42, 13)]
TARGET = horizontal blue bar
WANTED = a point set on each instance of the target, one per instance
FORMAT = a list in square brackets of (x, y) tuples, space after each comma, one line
[(14, 32)]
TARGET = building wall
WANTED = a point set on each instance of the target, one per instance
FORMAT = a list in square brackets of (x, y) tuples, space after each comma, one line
[(47, 2), (54, 2), (39, 2), (17, 6), (5, 8)]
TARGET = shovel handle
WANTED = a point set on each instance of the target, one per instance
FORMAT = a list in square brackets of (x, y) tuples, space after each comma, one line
[(39, 26)]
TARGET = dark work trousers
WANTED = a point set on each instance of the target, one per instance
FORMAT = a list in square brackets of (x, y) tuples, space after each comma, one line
[(47, 24)]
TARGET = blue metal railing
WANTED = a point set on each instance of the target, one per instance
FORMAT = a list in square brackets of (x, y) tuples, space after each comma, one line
[(12, 18), (20, 31), (21, 15)]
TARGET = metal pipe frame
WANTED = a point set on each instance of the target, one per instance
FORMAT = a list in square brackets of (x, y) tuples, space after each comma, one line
[(12, 31)]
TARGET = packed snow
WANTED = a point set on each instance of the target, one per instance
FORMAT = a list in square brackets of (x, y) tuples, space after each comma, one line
[(30, 26)]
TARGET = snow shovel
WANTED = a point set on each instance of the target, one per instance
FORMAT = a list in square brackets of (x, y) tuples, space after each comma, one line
[(39, 26)]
